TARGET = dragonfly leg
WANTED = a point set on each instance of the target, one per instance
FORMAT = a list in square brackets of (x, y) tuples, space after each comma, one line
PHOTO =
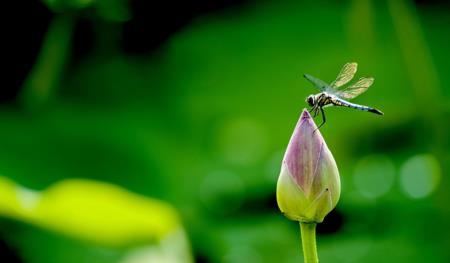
[(316, 111), (324, 119), (312, 111), (313, 108)]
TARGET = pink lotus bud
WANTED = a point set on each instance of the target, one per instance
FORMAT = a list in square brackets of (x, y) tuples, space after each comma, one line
[(308, 187)]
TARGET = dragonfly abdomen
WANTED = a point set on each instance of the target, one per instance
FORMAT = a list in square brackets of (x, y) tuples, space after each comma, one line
[(340, 102)]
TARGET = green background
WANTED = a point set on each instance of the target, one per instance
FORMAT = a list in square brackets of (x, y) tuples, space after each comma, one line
[(202, 123)]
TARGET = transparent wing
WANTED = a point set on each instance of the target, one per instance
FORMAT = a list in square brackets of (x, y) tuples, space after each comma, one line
[(355, 89), (320, 84), (346, 74)]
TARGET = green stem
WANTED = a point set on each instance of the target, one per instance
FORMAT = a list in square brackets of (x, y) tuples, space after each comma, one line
[(308, 231), (47, 70)]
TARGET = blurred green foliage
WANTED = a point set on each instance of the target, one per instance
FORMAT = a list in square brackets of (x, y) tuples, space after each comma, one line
[(203, 124), (110, 10)]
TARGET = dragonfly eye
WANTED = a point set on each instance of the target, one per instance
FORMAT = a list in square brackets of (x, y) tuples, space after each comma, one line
[(310, 100)]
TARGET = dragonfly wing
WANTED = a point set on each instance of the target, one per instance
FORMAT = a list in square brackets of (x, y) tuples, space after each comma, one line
[(355, 89), (346, 74), (320, 84)]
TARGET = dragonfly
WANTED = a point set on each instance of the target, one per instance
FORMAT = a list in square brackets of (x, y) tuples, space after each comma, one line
[(335, 94)]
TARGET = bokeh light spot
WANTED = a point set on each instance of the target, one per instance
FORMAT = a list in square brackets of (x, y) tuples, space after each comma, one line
[(28, 198), (420, 175), (374, 176)]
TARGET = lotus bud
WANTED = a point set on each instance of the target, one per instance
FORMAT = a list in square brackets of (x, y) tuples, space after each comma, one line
[(308, 187)]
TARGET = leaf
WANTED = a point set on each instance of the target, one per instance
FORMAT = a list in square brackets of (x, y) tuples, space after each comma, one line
[(93, 211)]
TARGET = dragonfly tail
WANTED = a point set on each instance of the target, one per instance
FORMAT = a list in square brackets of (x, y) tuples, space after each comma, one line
[(344, 103), (375, 111)]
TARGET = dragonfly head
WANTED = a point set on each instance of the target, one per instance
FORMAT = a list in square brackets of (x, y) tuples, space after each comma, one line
[(310, 100)]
